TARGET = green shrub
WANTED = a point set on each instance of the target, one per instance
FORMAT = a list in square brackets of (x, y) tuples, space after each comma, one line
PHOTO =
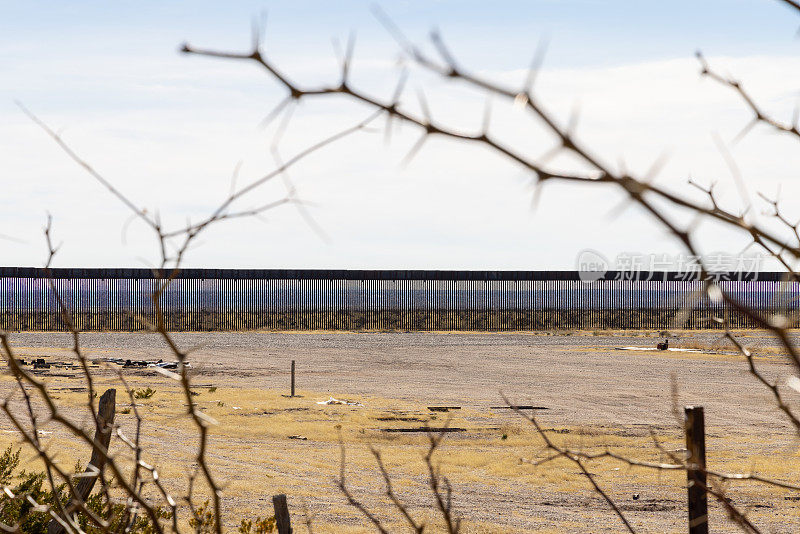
[(143, 393), (28, 488), (259, 526), (203, 520)]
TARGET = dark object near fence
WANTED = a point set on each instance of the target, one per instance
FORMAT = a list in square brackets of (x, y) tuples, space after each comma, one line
[(39, 363), (282, 518), (275, 299), (664, 345), (443, 408), (694, 421)]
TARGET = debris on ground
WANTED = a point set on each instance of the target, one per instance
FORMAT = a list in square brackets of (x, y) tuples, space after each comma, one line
[(653, 349), (127, 364), (332, 400), (431, 429), (170, 365), (520, 407), (402, 418), (443, 408)]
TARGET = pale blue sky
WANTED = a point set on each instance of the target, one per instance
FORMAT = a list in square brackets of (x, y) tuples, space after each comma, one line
[(156, 121), (583, 32)]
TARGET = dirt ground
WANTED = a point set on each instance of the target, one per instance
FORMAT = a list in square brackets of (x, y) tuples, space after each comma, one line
[(594, 397)]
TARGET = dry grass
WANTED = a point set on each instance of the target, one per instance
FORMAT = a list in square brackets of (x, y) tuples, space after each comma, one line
[(255, 457)]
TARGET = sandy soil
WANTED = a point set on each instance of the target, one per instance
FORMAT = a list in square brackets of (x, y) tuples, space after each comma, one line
[(582, 379)]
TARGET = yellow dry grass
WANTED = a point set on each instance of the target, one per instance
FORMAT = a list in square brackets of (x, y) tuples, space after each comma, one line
[(258, 450)]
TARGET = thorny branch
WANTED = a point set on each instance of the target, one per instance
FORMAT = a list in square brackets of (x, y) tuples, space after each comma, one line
[(636, 188), (560, 452), (441, 490), (639, 190), (759, 115), (168, 268), (579, 458)]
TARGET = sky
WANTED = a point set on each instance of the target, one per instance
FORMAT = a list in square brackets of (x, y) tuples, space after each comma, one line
[(169, 129)]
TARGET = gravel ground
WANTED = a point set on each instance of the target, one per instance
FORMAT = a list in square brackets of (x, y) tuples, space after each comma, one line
[(582, 378)]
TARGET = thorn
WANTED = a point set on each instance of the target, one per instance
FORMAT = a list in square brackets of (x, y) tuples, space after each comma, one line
[(401, 83), (436, 38), (424, 105), (615, 212), (704, 70), (536, 65), (696, 220), (235, 176), (387, 133), (487, 114), (734, 170), (394, 31), (284, 124), (545, 158), (315, 227), (348, 57), (656, 167), (623, 167), (275, 112), (337, 49), (256, 37), (745, 130), (413, 152)]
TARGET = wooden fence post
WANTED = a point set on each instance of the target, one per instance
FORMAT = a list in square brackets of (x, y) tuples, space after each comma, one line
[(696, 469), (292, 378), (282, 519), (106, 409)]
